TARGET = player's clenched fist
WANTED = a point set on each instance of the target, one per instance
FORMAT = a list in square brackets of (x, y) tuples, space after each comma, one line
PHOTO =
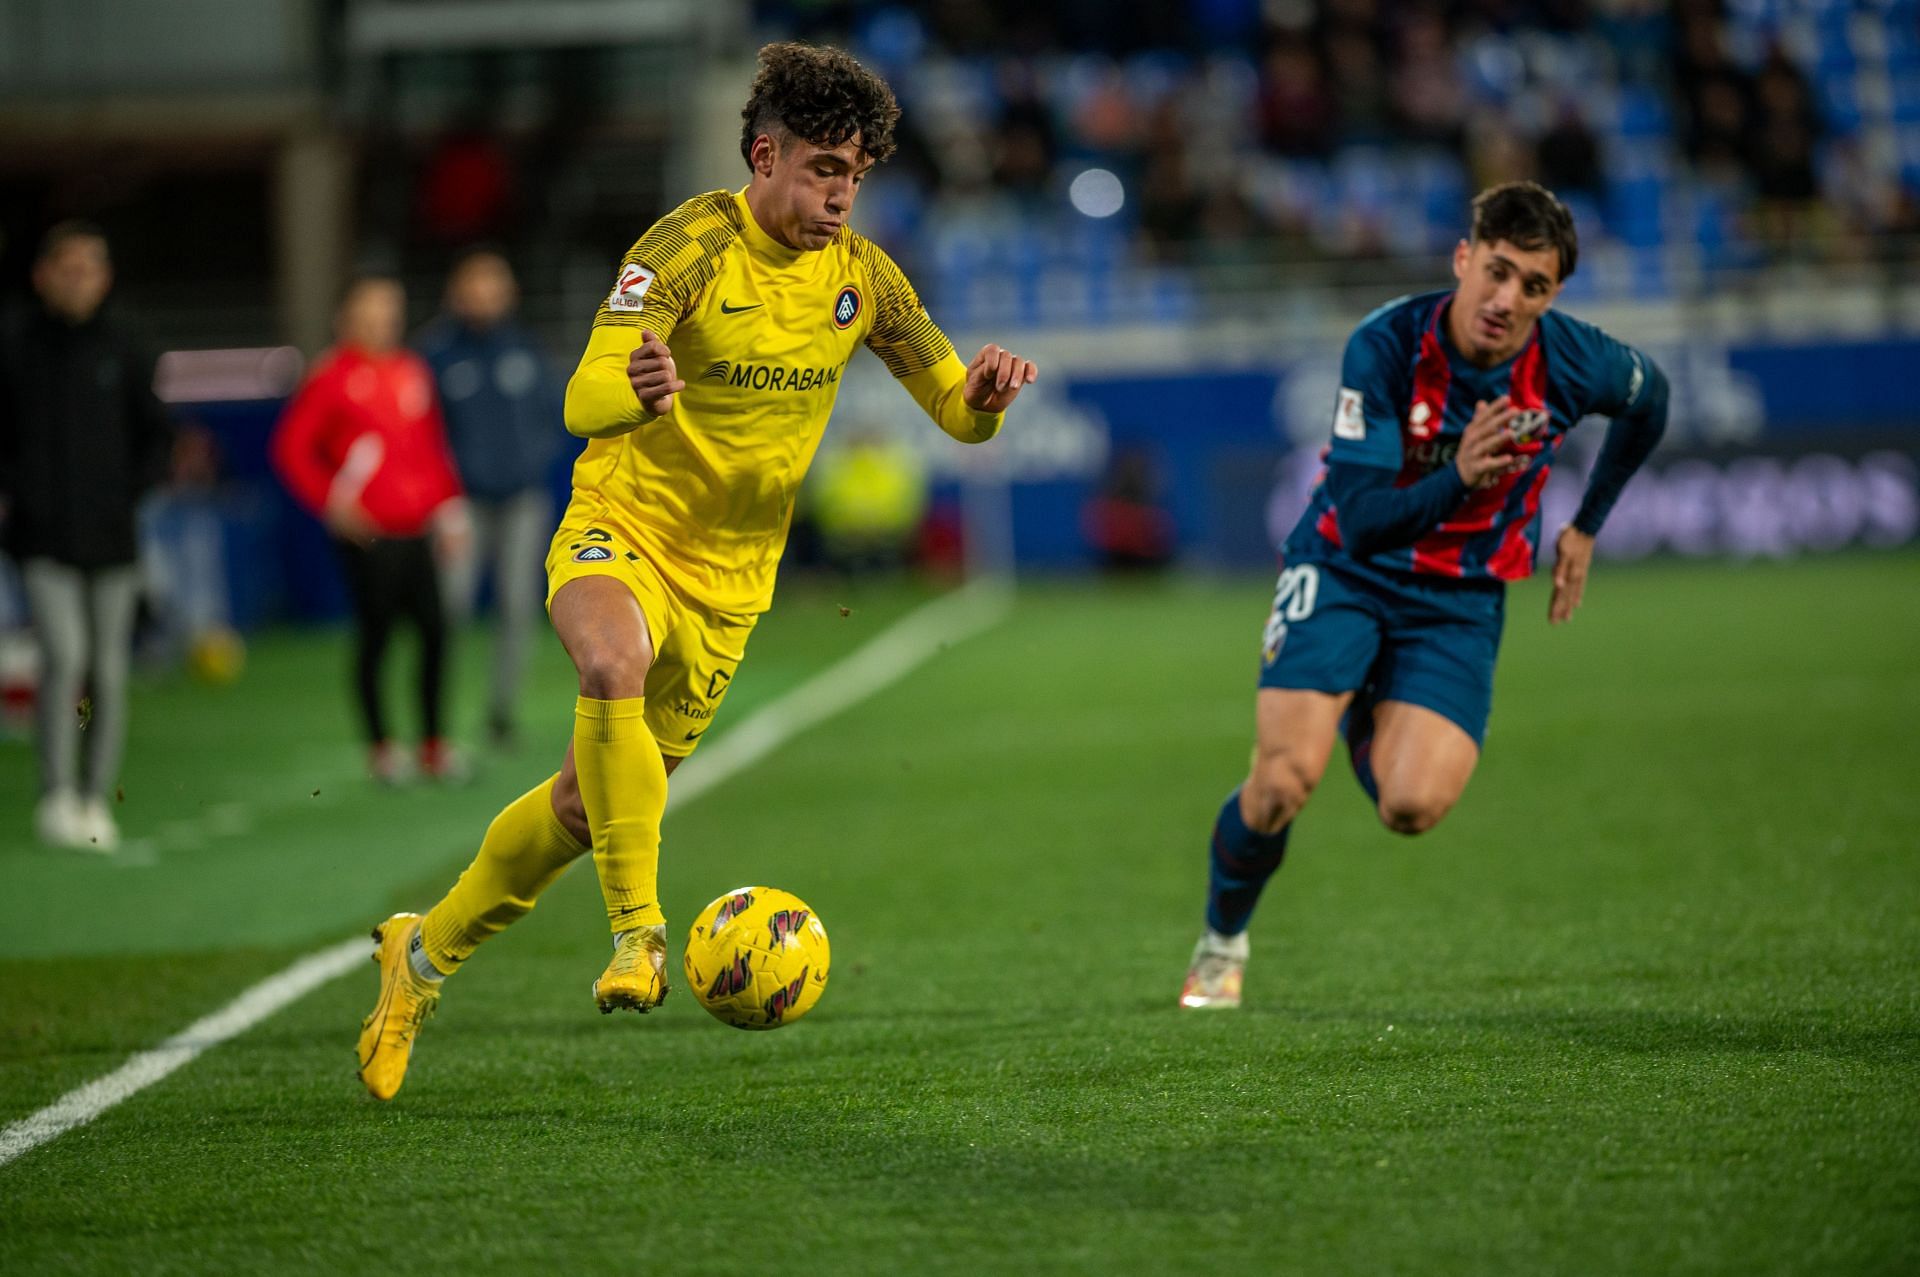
[(1486, 455), (994, 379), (651, 372)]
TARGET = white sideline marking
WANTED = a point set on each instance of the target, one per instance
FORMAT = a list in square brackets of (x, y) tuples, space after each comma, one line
[(81, 1105), (884, 660)]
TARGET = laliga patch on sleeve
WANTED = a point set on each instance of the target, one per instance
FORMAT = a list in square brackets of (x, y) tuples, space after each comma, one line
[(630, 291), (1349, 421)]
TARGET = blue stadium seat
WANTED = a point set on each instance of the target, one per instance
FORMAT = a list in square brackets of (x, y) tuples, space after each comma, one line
[(1840, 104), (1642, 113), (1634, 208), (1364, 177), (1648, 276), (1586, 214), (1906, 97)]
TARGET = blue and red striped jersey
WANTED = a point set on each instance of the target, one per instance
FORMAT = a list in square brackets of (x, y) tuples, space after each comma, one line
[(1405, 399)]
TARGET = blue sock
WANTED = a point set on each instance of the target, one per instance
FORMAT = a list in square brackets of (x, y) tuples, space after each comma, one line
[(1242, 861)]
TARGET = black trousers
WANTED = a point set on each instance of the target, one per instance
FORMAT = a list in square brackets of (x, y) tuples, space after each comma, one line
[(391, 580)]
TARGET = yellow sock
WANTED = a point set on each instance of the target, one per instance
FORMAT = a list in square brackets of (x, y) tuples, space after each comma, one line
[(525, 849), (623, 783)]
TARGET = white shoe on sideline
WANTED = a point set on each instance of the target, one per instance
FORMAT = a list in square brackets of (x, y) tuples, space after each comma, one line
[(60, 821), (98, 829)]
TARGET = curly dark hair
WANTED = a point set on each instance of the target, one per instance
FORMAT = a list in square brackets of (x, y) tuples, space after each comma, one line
[(820, 95), (1526, 215)]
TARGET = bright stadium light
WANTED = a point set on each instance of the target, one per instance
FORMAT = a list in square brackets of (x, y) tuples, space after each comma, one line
[(1097, 193)]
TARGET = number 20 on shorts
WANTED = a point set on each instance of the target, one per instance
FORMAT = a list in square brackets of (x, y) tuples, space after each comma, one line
[(1293, 598)]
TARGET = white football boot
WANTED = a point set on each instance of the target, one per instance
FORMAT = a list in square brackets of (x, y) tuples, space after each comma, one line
[(1214, 975)]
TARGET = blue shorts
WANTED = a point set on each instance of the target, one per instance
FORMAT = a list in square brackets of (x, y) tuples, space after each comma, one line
[(1339, 627)]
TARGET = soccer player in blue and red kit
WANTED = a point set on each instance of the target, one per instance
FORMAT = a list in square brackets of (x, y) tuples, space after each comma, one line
[(1386, 619)]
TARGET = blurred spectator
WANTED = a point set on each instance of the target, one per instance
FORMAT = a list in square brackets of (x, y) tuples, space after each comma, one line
[(183, 559), (1786, 128), (466, 187), (1309, 129), (1639, 34), (19, 654), (363, 447), (1125, 522), (1567, 156), (1496, 152), (82, 436), (1295, 108), (1170, 200), (1429, 96), (1359, 86), (1714, 93), (501, 401), (1104, 117), (1229, 230), (1024, 146), (869, 496)]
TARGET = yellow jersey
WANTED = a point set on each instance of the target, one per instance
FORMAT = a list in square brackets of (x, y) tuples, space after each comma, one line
[(760, 334)]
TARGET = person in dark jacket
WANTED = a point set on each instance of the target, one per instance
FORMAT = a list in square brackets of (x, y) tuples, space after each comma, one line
[(502, 407), (82, 437)]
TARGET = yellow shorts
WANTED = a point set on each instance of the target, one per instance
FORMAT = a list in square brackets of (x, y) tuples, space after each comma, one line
[(695, 649)]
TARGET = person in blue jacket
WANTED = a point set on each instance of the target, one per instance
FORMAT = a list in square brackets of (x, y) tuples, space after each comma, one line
[(502, 403), (1387, 616)]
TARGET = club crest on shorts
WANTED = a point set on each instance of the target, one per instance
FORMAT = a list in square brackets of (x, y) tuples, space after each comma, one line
[(846, 307), (593, 554)]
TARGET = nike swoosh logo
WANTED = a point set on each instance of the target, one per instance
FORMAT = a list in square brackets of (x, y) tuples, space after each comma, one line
[(735, 310), (697, 735)]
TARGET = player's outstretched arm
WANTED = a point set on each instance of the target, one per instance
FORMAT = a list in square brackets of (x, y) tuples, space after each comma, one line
[(968, 401), (995, 377), (1636, 430)]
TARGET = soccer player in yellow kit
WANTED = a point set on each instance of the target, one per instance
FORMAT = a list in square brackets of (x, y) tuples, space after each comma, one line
[(705, 387)]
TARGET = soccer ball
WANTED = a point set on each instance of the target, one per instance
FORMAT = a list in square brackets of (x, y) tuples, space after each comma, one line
[(757, 958), (216, 655)]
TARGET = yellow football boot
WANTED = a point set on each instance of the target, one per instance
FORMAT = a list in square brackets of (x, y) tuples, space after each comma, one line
[(386, 1036), (636, 979)]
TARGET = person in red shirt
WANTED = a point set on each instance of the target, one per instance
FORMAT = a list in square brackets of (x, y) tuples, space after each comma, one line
[(362, 446)]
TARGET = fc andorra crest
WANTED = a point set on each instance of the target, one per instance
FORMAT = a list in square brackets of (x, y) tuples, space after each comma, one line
[(846, 307)]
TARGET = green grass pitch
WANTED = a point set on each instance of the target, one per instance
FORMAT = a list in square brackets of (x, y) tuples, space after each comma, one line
[(1647, 1002)]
